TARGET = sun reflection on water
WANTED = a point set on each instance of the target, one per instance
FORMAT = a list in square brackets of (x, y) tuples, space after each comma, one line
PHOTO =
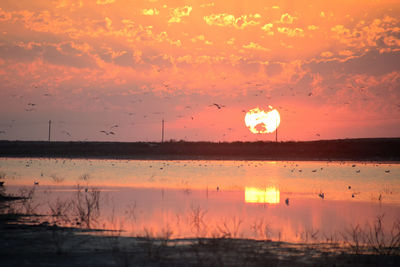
[(270, 195)]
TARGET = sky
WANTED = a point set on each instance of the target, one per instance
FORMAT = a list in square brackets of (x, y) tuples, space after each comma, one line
[(330, 68)]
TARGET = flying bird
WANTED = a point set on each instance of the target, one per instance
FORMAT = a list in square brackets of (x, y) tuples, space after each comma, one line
[(67, 133), (217, 105), (107, 133)]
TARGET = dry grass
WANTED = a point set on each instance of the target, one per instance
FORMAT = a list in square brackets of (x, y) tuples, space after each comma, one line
[(86, 206), (374, 238)]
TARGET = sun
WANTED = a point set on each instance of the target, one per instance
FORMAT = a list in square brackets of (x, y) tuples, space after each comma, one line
[(261, 121)]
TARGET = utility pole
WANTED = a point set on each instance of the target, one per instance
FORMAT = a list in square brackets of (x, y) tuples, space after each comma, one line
[(276, 130), (162, 131), (49, 129)]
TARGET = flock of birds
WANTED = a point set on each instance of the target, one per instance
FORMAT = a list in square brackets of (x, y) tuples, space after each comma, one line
[(108, 132)]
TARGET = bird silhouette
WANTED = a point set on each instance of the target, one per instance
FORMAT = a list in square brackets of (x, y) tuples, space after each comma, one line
[(108, 133), (67, 133), (287, 202), (217, 105)]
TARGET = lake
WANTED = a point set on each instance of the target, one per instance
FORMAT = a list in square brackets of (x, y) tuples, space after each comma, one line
[(295, 201)]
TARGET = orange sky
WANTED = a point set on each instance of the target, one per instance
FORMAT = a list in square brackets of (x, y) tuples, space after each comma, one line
[(331, 69)]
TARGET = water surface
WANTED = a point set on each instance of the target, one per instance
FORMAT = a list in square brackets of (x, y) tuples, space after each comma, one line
[(291, 201)]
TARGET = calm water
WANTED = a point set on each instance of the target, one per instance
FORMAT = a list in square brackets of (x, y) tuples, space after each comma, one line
[(250, 199)]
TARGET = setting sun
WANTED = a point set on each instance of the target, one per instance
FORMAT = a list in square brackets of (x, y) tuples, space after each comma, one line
[(261, 121)]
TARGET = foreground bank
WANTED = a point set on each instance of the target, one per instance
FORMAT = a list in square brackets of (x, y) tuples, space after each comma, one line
[(45, 245)]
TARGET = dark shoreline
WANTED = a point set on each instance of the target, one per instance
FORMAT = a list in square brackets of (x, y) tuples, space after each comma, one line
[(368, 149)]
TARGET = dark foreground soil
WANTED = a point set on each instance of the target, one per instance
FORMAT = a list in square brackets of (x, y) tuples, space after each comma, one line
[(370, 149), (44, 245)]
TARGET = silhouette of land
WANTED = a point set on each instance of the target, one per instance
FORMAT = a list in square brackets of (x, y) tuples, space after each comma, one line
[(369, 149)]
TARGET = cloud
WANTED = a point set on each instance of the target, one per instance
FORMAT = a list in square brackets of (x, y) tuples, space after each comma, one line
[(287, 19), (67, 55), (71, 4), (46, 21), (150, 12), (273, 69), (158, 60), (63, 54), (231, 41), (268, 28), (296, 32), (248, 67), (220, 19), (199, 37), (108, 23), (124, 59), (20, 53), (163, 37), (370, 63), (207, 5), (379, 32), (104, 2), (346, 53), (5, 16), (228, 20), (312, 27), (255, 46), (326, 54), (178, 13)]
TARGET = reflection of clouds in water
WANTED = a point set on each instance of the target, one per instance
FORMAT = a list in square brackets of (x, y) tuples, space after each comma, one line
[(164, 204)]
